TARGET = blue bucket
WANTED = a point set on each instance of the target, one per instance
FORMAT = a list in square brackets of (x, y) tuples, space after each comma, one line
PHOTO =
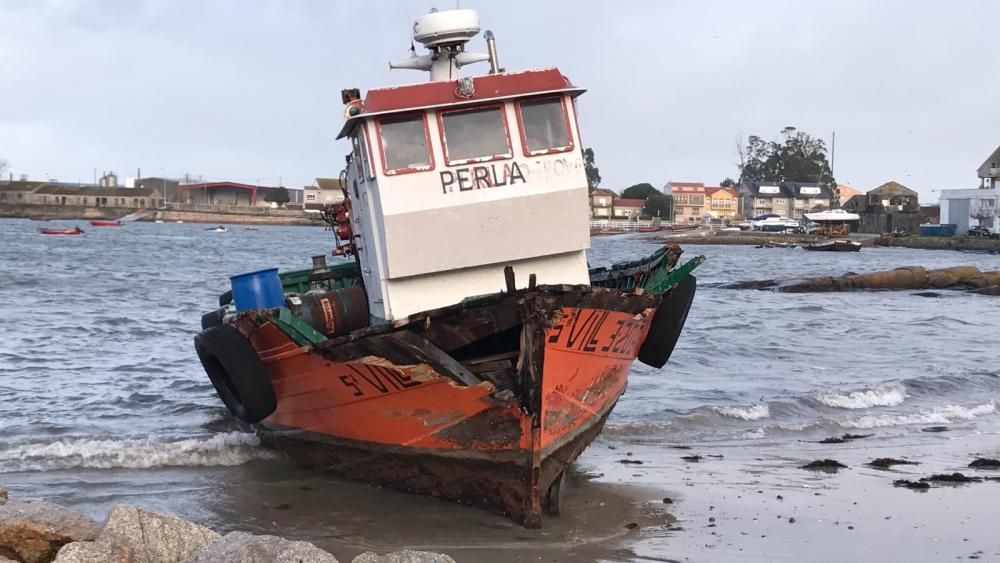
[(258, 290)]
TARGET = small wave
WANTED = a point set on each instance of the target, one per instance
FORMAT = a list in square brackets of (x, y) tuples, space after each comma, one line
[(232, 448), (750, 412), (884, 396), (940, 415)]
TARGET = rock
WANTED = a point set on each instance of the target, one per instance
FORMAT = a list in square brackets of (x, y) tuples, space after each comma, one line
[(915, 485), (630, 461), (405, 556), (691, 458), (985, 463), (951, 478), (33, 531), (241, 547), (824, 464), (940, 280), (154, 538), (90, 552), (3, 495), (990, 290), (935, 429), (887, 462)]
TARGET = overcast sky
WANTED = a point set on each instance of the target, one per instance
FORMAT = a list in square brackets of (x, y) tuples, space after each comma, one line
[(249, 90)]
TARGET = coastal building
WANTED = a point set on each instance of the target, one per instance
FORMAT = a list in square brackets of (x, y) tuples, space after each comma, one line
[(788, 199), (323, 192), (887, 208), (601, 203), (965, 208), (169, 188), (29, 192), (688, 200), (845, 192), (628, 209), (989, 172), (720, 203), (233, 194)]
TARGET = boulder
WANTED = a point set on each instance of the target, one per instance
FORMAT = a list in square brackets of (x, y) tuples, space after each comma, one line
[(940, 279), (33, 531), (913, 277), (990, 290), (405, 556), (92, 552), (240, 547), (985, 279), (154, 538)]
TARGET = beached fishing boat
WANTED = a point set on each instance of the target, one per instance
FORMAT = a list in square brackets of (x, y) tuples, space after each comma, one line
[(73, 231), (473, 362), (835, 246)]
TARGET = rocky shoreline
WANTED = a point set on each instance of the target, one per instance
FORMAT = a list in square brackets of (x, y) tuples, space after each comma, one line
[(958, 278), (35, 531)]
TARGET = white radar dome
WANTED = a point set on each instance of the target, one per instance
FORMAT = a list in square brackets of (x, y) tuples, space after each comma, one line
[(447, 27)]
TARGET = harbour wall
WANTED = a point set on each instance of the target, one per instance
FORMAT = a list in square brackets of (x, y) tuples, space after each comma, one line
[(980, 244)]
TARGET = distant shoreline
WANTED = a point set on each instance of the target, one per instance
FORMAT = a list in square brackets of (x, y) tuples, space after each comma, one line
[(82, 213)]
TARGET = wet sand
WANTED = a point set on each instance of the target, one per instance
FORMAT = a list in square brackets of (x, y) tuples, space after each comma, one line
[(734, 504)]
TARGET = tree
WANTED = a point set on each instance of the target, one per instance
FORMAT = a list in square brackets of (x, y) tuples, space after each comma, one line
[(278, 195), (800, 158), (593, 174), (639, 191), (727, 183), (658, 205)]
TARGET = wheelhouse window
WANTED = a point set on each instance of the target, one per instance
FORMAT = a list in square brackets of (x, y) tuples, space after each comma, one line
[(475, 135), (404, 144), (545, 126)]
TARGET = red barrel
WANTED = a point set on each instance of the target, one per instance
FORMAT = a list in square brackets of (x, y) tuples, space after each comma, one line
[(334, 313)]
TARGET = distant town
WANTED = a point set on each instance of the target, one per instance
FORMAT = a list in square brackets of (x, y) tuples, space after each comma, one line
[(887, 208), (167, 199)]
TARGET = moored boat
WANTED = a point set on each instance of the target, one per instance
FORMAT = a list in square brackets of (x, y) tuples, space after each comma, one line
[(835, 246), (218, 229), (97, 223), (73, 231), (476, 361)]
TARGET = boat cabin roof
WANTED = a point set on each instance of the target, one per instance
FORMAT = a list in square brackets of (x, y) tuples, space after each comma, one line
[(487, 88)]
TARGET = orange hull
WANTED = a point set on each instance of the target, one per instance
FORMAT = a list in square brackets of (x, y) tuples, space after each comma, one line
[(498, 442)]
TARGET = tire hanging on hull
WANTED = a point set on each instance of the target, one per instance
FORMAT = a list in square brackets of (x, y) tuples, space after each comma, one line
[(668, 323), (236, 373)]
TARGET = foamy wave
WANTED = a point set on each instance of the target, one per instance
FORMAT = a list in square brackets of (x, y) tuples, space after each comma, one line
[(751, 412), (941, 415), (233, 448), (884, 396)]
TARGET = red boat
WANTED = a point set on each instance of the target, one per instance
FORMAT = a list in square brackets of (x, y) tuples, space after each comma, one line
[(73, 231), (106, 223)]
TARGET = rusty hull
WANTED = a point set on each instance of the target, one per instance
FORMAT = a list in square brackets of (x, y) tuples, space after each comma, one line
[(412, 407)]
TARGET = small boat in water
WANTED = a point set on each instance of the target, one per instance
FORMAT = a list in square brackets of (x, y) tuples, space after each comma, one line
[(474, 358), (73, 231), (835, 246), (97, 223), (219, 229)]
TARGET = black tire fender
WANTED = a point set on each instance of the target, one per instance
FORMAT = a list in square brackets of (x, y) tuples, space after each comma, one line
[(668, 323), (226, 298), (213, 318), (236, 372)]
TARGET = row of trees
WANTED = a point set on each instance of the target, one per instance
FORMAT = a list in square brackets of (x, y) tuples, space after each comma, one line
[(795, 157)]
